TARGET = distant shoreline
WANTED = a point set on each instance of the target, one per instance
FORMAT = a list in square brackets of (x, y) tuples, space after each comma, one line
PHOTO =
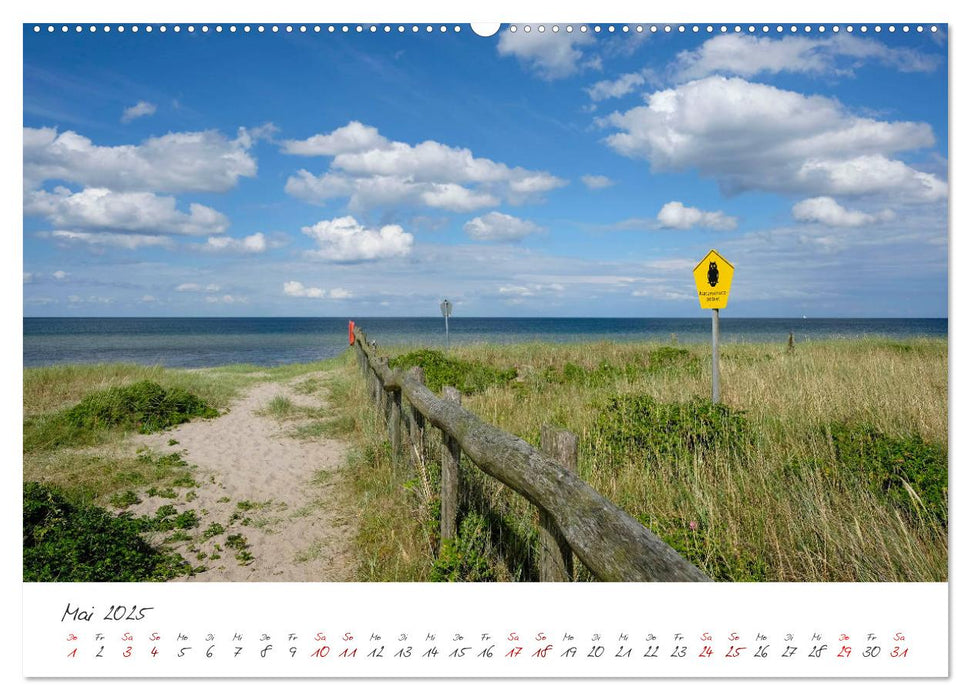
[(213, 342), (878, 341)]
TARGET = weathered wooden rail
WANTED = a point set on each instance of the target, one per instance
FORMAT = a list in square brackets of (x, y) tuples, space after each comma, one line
[(574, 518)]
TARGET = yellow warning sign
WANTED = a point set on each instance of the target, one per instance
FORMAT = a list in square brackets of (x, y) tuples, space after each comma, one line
[(713, 277)]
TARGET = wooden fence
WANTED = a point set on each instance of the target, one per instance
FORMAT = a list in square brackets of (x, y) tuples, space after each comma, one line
[(574, 518)]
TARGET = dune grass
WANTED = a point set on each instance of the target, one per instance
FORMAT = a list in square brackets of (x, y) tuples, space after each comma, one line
[(827, 463)]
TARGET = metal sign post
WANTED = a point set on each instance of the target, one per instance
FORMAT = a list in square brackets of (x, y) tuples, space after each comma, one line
[(446, 307), (713, 278), (714, 356)]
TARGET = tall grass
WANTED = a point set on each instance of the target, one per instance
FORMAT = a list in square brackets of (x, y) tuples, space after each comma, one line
[(785, 502)]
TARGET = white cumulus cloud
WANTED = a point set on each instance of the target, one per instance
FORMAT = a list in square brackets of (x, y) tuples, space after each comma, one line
[(457, 198), (97, 208), (355, 137), (753, 136), (547, 54), (496, 226), (345, 240), (372, 171), (747, 55), (826, 210), (677, 215), (140, 109), (201, 161)]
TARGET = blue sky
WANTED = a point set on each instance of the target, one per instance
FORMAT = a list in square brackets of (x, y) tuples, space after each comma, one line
[(528, 174)]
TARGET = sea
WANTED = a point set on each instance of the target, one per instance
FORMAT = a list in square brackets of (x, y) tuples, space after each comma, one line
[(210, 342)]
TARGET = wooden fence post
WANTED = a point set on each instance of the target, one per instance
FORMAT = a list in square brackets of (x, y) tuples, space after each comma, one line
[(383, 403), (419, 453), (555, 556), (451, 455), (394, 424), (375, 389)]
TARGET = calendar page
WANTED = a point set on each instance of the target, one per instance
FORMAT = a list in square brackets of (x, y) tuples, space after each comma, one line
[(379, 348)]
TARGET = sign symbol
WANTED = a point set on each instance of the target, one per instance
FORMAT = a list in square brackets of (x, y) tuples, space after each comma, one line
[(713, 279)]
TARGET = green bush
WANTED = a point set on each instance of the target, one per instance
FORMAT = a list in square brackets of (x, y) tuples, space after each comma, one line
[(144, 406), (186, 520), (465, 558), (67, 541), (441, 371), (636, 426), (909, 472), (125, 499)]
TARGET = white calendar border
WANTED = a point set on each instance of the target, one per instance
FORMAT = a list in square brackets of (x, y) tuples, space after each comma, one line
[(434, 11), (478, 630)]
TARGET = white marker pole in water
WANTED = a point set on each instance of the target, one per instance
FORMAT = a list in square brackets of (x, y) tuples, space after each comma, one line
[(446, 307), (714, 356)]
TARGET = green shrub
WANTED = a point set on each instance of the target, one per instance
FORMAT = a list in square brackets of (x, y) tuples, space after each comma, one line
[(441, 371), (164, 518), (67, 541), (237, 541), (144, 406), (639, 426), (213, 530), (186, 520), (909, 472), (125, 499), (465, 558), (711, 551)]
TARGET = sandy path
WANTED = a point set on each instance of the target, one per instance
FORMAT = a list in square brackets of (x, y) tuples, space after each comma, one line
[(282, 494)]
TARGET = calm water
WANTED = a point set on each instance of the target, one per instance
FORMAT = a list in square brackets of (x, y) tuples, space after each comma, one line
[(207, 342)]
